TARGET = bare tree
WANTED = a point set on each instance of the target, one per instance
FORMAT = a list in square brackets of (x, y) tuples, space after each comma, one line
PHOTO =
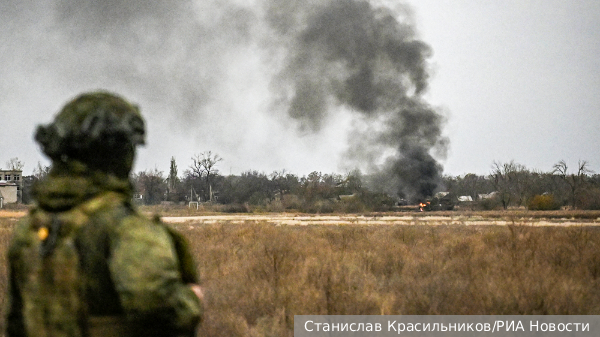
[(283, 182), (152, 184), (204, 167), (14, 164), (279, 182), (575, 181), (511, 181), (469, 184), (40, 172)]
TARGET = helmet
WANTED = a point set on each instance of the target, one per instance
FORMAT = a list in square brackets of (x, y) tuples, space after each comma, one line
[(98, 129)]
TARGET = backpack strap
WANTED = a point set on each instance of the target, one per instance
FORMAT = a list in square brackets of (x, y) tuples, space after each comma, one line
[(187, 267), (50, 236)]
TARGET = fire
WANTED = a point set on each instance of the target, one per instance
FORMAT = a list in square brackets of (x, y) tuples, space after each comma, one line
[(423, 205)]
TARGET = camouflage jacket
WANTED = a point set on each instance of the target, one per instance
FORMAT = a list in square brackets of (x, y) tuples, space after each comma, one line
[(84, 253)]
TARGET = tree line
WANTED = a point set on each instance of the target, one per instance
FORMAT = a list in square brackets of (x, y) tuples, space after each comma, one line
[(279, 190), (508, 184), (514, 185)]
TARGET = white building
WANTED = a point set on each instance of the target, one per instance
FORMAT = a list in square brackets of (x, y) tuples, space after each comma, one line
[(11, 183), (465, 198), (8, 193)]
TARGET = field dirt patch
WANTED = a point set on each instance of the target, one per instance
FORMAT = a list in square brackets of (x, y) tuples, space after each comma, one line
[(434, 220), (12, 214), (437, 219)]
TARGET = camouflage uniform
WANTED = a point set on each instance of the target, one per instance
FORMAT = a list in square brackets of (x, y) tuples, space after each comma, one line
[(84, 262)]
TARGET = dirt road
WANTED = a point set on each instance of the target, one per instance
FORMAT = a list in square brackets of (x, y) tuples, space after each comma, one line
[(302, 220)]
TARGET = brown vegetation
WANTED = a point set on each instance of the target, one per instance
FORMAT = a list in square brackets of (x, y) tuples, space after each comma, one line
[(257, 276)]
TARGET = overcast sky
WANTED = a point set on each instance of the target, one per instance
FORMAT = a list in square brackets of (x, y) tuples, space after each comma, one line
[(514, 80)]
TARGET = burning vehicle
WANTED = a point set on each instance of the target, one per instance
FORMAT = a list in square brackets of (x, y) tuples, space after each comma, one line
[(440, 202)]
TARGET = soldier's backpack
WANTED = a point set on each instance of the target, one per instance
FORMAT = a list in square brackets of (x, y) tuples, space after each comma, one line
[(53, 299), (52, 289)]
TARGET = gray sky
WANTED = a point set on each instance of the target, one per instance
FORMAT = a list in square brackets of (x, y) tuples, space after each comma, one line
[(515, 80)]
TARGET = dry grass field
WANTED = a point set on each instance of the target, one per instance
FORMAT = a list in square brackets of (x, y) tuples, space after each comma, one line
[(258, 273)]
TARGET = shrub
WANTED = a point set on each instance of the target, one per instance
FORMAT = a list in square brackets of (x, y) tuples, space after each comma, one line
[(545, 202), (235, 208), (317, 206), (490, 204), (377, 202), (353, 205), (291, 202)]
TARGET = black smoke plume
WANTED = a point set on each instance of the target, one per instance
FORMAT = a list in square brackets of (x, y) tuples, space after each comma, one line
[(352, 54)]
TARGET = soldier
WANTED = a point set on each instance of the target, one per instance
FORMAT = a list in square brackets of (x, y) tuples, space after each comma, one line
[(84, 262)]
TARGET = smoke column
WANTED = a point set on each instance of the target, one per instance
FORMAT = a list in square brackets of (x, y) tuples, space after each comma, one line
[(351, 54), (314, 58)]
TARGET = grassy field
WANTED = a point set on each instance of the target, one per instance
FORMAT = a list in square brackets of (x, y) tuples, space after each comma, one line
[(258, 275)]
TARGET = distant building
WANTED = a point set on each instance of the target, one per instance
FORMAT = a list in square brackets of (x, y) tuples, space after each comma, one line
[(440, 195), (8, 193), (465, 198), (138, 198), (11, 183), (487, 196)]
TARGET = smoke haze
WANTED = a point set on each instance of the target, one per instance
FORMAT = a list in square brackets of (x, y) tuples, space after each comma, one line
[(218, 68)]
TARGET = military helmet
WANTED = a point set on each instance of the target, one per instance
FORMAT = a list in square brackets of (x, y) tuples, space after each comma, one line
[(98, 129)]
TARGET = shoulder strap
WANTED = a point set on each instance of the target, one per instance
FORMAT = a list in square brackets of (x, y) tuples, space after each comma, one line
[(187, 267)]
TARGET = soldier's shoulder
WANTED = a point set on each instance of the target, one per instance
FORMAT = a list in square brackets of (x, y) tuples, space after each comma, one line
[(23, 233), (137, 218), (136, 221)]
